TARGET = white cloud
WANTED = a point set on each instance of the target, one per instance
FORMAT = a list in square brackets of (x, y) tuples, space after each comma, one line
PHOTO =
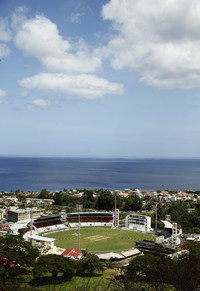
[(76, 17), (160, 40), (23, 94), (4, 50), (5, 36), (41, 104), (5, 33), (19, 17), (89, 86), (3, 96), (39, 37), (67, 64)]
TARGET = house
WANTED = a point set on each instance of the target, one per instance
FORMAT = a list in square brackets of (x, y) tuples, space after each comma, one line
[(38, 201), (74, 254), (2, 212)]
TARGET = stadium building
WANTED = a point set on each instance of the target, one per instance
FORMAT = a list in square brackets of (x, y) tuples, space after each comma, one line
[(172, 232), (48, 223), (40, 241), (38, 225), (90, 219), (138, 222)]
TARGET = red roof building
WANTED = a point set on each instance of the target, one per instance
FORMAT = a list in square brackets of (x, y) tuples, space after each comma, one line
[(74, 254)]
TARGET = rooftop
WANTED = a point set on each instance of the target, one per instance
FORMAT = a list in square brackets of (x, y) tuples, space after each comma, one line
[(72, 253)]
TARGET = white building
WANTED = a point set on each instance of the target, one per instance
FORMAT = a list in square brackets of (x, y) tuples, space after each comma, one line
[(40, 241), (138, 222), (2, 213), (38, 201), (172, 232)]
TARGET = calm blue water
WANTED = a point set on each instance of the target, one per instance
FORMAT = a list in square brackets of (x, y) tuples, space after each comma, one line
[(59, 173)]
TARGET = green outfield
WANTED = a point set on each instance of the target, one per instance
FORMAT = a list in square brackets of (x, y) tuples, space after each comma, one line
[(99, 239)]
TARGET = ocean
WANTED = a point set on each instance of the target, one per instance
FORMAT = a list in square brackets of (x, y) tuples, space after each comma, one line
[(55, 174)]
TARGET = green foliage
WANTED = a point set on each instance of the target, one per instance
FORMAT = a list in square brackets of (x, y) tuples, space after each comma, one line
[(182, 273), (89, 264), (193, 248), (60, 198), (87, 199), (44, 194), (8, 271), (133, 202), (16, 255), (54, 264), (190, 222), (145, 268), (105, 200), (15, 248)]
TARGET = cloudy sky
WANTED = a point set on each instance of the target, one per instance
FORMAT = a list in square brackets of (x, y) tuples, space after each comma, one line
[(100, 78)]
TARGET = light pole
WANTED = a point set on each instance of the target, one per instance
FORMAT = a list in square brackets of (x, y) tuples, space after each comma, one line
[(156, 217), (115, 208), (31, 217), (79, 207)]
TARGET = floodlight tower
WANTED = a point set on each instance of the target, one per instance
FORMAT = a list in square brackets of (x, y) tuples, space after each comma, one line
[(174, 234), (115, 207), (79, 207), (156, 226), (31, 217)]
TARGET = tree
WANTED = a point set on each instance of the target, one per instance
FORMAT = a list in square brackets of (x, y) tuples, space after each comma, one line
[(54, 264), (44, 194), (16, 255), (133, 203), (87, 199), (60, 198), (105, 200), (157, 271), (15, 248), (88, 264)]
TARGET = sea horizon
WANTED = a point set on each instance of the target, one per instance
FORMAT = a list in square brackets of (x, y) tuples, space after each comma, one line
[(98, 157), (56, 173)]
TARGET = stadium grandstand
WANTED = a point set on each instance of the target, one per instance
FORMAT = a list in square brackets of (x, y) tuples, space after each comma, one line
[(48, 223), (39, 225), (90, 219)]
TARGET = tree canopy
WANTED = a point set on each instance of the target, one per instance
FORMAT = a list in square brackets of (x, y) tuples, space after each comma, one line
[(54, 264), (88, 264), (182, 272), (15, 248)]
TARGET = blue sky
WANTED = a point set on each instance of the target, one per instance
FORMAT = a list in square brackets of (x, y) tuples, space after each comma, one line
[(99, 78)]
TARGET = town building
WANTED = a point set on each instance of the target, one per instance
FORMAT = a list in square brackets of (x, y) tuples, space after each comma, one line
[(38, 201), (22, 214), (2, 212)]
